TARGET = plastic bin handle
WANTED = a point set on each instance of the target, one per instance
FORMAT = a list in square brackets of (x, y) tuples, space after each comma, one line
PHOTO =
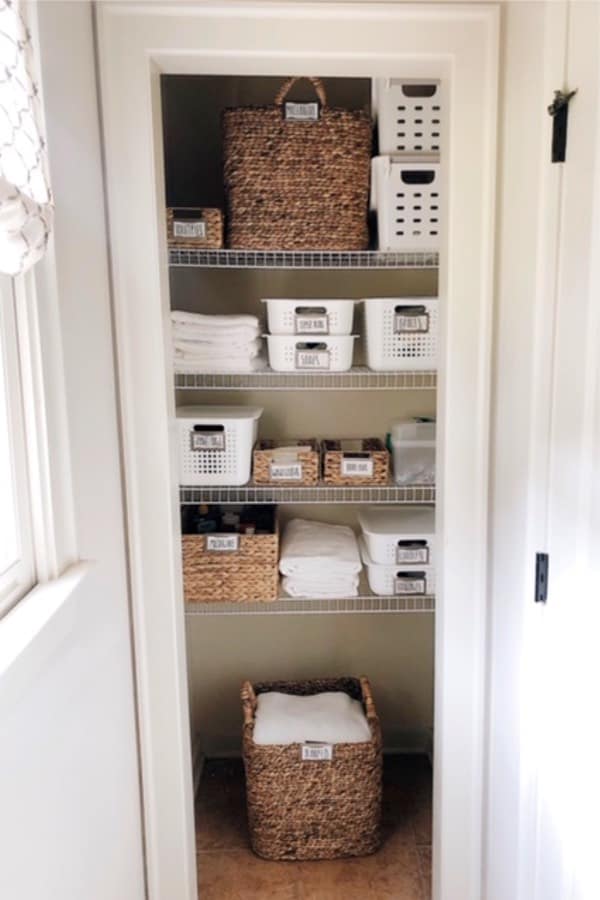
[(287, 86)]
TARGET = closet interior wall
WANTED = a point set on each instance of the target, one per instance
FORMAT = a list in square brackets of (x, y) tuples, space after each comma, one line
[(396, 651)]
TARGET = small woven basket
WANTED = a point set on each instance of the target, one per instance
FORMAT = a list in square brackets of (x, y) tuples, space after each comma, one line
[(313, 809), (297, 184), (350, 462), (198, 228), (299, 468)]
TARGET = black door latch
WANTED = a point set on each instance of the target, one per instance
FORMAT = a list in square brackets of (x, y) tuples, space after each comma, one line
[(541, 577), (559, 110)]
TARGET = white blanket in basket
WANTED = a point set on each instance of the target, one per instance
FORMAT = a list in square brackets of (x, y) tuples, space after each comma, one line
[(331, 718)]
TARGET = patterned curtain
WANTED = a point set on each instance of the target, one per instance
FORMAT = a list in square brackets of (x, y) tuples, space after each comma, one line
[(25, 199)]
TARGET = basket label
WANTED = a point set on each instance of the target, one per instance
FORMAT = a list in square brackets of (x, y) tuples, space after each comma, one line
[(208, 440), (411, 320), (315, 751), (312, 359), (311, 324), (409, 583), (352, 466), (286, 471), (189, 229), (412, 552), (223, 543), (302, 112)]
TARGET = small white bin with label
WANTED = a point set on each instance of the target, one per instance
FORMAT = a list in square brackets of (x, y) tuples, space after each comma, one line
[(310, 317), (395, 580), (401, 333), (215, 444), (306, 353), (413, 449), (406, 195), (399, 535), (409, 115)]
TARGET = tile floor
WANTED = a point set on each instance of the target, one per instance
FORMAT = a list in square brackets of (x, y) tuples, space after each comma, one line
[(400, 870)]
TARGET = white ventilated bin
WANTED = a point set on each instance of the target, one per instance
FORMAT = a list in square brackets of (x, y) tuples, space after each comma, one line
[(413, 449), (399, 535), (401, 333), (409, 115), (310, 316), (387, 580), (298, 353), (215, 444), (406, 196)]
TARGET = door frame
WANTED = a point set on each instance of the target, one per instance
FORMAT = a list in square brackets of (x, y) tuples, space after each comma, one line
[(459, 42)]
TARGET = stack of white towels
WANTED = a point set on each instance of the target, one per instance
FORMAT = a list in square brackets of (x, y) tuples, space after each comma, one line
[(215, 344), (319, 560)]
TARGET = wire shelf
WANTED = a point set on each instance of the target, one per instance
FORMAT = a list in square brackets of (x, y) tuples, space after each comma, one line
[(309, 259), (366, 603), (358, 379), (322, 493)]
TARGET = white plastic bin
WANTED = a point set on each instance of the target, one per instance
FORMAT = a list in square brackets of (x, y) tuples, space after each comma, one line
[(310, 316), (399, 535), (406, 196), (409, 115), (305, 353), (413, 448), (387, 580), (401, 333), (215, 444)]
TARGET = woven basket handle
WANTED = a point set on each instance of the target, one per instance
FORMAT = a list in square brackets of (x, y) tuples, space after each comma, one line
[(248, 703), (367, 698), (287, 85)]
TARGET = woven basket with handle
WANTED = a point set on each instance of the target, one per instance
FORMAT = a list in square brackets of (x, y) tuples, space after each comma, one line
[(297, 184)]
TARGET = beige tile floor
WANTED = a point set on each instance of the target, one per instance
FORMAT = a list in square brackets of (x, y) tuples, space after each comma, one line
[(400, 870)]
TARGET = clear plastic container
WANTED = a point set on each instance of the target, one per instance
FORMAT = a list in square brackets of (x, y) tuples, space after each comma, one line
[(413, 449)]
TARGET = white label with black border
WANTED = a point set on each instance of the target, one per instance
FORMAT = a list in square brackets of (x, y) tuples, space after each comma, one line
[(302, 112), (183, 229), (410, 323), (317, 752), (357, 467), (286, 471), (222, 543), (208, 440), (412, 553), (312, 359), (312, 324), (407, 585)]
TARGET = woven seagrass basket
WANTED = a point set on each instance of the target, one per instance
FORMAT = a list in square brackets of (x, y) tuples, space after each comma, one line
[(194, 228), (297, 184), (300, 468), (350, 462), (313, 809)]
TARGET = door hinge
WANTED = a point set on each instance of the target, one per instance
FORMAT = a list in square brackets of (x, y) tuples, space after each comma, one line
[(559, 110), (541, 577)]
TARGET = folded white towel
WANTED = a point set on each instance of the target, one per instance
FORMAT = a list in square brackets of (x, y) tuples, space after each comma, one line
[(206, 351), (224, 367), (321, 589), (200, 320), (331, 718), (308, 546), (240, 334)]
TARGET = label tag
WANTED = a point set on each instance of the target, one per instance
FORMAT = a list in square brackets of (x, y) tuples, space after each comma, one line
[(412, 553), (407, 322), (352, 466), (317, 752), (307, 324), (302, 112), (286, 471), (189, 229), (208, 440), (222, 543), (410, 584), (312, 359)]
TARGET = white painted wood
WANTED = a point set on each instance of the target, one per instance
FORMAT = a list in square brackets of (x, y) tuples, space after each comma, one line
[(455, 43)]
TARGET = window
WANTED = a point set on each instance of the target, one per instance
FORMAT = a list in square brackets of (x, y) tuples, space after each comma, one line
[(17, 573)]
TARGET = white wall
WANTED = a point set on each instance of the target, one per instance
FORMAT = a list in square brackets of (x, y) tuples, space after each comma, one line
[(69, 784)]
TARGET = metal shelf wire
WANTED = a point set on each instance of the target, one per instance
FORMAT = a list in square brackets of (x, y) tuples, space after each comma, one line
[(307, 259), (357, 379), (322, 493)]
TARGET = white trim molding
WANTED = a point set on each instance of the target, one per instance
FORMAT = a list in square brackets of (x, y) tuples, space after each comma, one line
[(455, 42)]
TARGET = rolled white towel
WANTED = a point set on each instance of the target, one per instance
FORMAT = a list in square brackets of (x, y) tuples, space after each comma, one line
[(330, 549), (332, 717)]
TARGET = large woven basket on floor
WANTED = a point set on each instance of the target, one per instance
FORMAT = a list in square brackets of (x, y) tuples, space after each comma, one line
[(296, 185), (313, 809)]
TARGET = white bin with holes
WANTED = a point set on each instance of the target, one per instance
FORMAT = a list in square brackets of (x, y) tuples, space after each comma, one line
[(215, 444), (401, 333), (310, 316), (399, 535), (413, 450), (307, 353), (409, 115), (397, 580), (406, 195)]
